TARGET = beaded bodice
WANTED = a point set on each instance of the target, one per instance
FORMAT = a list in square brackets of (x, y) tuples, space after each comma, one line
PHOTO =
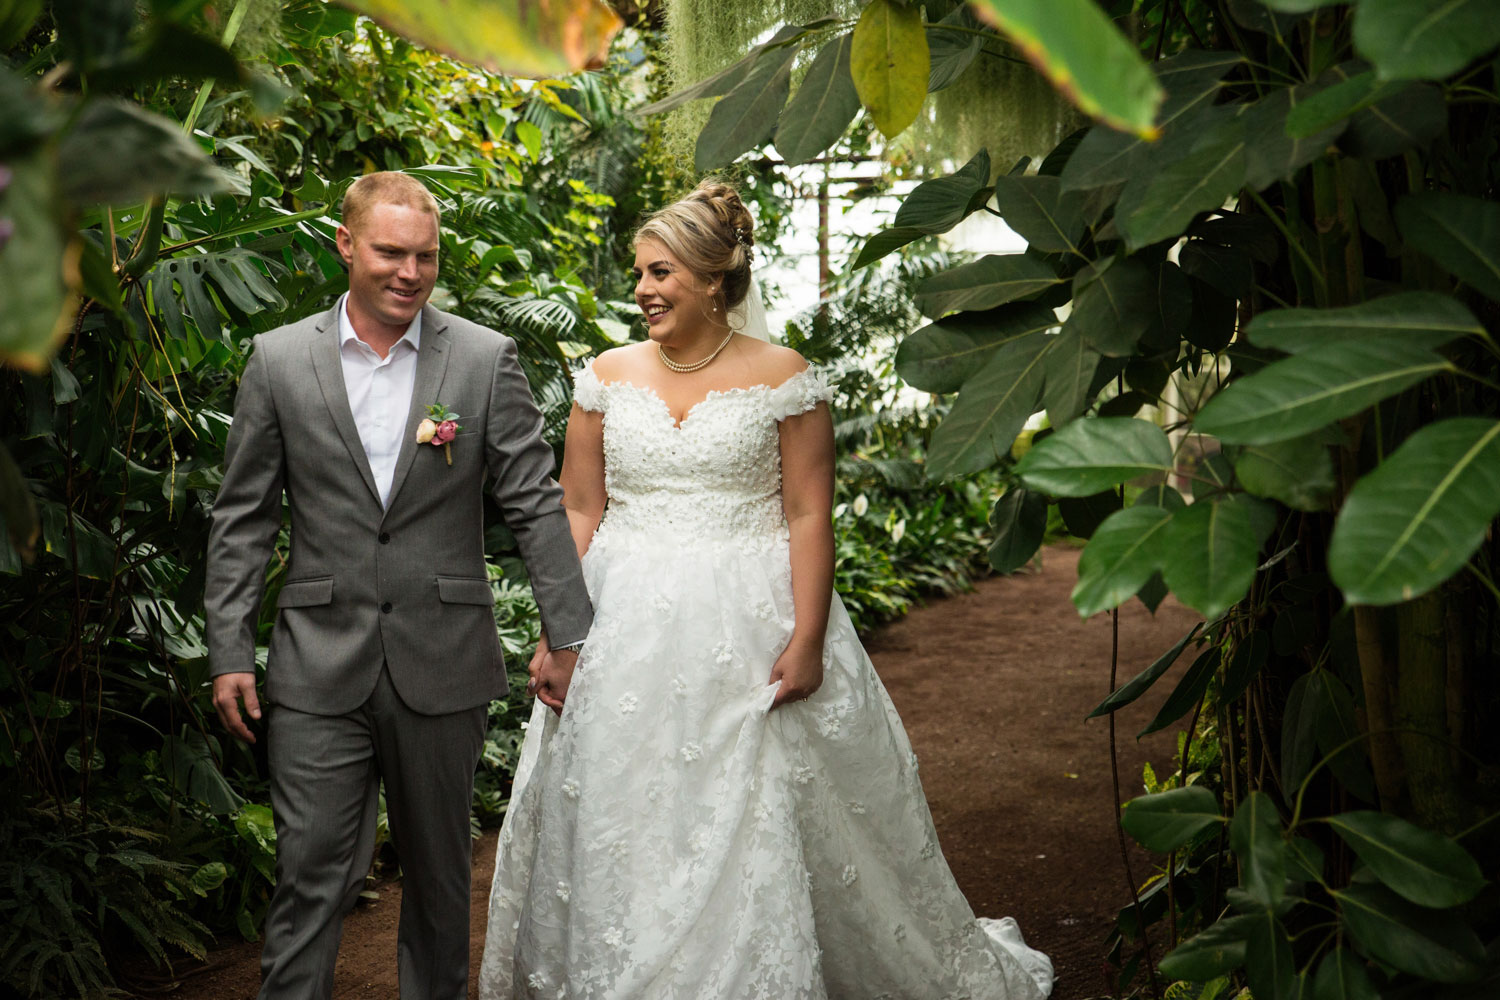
[(715, 478)]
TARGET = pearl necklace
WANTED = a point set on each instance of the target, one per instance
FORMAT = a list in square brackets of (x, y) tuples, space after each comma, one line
[(677, 366)]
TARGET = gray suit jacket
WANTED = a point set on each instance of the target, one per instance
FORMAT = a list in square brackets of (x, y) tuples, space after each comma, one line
[(403, 585)]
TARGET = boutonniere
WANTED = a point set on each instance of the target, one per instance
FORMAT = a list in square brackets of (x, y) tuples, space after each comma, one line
[(439, 427)]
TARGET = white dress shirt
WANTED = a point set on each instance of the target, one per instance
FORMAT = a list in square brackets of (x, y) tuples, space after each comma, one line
[(379, 394)]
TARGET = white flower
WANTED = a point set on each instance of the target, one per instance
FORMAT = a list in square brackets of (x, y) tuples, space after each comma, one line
[(564, 893), (613, 937), (765, 611), (627, 703), (850, 876), (838, 511), (914, 760), (662, 604), (724, 653), (535, 981), (929, 849), (691, 752), (698, 842), (570, 788), (802, 775), (619, 849), (898, 530), (857, 808), (861, 504), (828, 723), (679, 686)]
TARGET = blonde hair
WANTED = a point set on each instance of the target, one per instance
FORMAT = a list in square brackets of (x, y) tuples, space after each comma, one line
[(711, 232), (387, 187)]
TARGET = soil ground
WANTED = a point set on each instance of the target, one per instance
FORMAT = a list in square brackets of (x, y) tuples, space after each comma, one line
[(993, 687)]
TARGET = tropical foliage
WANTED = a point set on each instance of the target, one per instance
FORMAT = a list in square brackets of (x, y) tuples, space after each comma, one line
[(1262, 291)]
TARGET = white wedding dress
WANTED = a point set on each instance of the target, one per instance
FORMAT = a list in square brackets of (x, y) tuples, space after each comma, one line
[(668, 837)]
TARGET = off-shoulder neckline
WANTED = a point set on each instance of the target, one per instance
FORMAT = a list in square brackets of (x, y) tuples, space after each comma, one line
[(738, 390)]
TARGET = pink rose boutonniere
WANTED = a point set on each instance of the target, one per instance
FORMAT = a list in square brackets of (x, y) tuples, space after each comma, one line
[(439, 427)]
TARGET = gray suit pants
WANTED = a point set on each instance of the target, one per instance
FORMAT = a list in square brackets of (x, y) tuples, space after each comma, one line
[(326, 772)]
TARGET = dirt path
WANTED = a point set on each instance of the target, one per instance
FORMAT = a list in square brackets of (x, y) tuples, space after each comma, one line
[(993, 687)]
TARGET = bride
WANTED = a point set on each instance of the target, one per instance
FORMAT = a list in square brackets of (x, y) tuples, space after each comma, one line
[(728, 806)]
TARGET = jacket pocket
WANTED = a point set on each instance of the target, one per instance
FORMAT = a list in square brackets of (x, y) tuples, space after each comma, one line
[(465, 590), (306, 593)]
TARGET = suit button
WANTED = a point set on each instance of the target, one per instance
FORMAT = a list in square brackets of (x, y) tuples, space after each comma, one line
[(385, 537), (386, 607)]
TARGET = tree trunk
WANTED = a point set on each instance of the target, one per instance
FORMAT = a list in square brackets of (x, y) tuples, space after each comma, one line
[(1421, 714)]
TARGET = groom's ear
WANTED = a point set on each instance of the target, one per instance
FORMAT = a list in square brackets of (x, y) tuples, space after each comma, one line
[(345, 241)]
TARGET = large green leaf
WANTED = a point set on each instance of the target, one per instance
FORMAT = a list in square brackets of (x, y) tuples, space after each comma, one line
[(1459, 232), (1160, 205), (952, 47), (1121, 556), (514, 37), (887, 241), (1141, 682), (1342, 976), (890, 64), (992, 280), (1108, 156), (1255, 835), (1415, 520), (1426, 319), (1019, 522), (1167, 820), (1114, 304), (941, 355), (1302, 393), (1298, 471), (1088, 456), (1187, 692), (1425, 867), (991, 410), (1409, 118), (746, 116), (1070, 372), (188, 762), (1305, 703), (1331, 106), (1213, 548), (1431, 943), (937, 205), (1339, 740), (1424, 39), (1271, 153), (1214, 951), (823, 107), (1076, 47), (1036, 207), (1249, 657), (1270, 967), (117, 153), (38, 271)]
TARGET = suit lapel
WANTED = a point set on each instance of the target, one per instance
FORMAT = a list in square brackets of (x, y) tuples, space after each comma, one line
[(330, 372), (432, 364)]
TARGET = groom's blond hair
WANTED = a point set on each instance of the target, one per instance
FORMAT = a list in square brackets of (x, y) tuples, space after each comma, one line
[(386, 187)]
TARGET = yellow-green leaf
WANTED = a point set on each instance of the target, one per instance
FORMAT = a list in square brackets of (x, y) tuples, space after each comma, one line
[(38, 267), (1074, 45), (890, 63), (517, 37)]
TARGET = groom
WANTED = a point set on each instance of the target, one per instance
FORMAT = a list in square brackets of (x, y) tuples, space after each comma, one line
[(385, 654)]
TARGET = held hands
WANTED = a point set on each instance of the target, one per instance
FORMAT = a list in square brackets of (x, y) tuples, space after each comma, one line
[(229, 691), (799, 668), (551, 673)]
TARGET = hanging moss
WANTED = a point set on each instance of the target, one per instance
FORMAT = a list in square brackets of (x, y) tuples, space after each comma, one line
[(704, 36), (1000, 105)]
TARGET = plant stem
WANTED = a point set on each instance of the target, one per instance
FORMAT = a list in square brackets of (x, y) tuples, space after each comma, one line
[(1114, 770)]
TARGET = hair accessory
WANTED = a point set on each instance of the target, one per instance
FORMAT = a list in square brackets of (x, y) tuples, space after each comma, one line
[(742, 236)]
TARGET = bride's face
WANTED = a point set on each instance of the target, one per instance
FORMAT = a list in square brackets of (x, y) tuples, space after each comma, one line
[(679, 305)]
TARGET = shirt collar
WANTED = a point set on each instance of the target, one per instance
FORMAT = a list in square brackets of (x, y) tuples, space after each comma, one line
[(413, 334)]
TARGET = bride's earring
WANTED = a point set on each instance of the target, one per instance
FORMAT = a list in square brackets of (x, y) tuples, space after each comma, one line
[(712, 290)]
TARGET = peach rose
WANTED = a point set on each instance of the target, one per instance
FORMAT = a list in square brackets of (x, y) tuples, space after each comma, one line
[(425, 430)]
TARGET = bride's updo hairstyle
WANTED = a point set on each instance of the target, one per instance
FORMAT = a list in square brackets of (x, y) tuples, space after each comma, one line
[(710, 231)]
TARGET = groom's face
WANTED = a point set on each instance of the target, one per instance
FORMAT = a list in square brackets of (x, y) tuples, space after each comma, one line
[(392, 255)]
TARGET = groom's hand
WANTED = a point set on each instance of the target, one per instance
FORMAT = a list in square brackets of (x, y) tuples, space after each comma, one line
[(229, 691), (554, 676)]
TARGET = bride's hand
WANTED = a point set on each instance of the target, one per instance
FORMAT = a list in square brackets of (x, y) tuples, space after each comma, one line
[(534, 668), (800, 671)]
